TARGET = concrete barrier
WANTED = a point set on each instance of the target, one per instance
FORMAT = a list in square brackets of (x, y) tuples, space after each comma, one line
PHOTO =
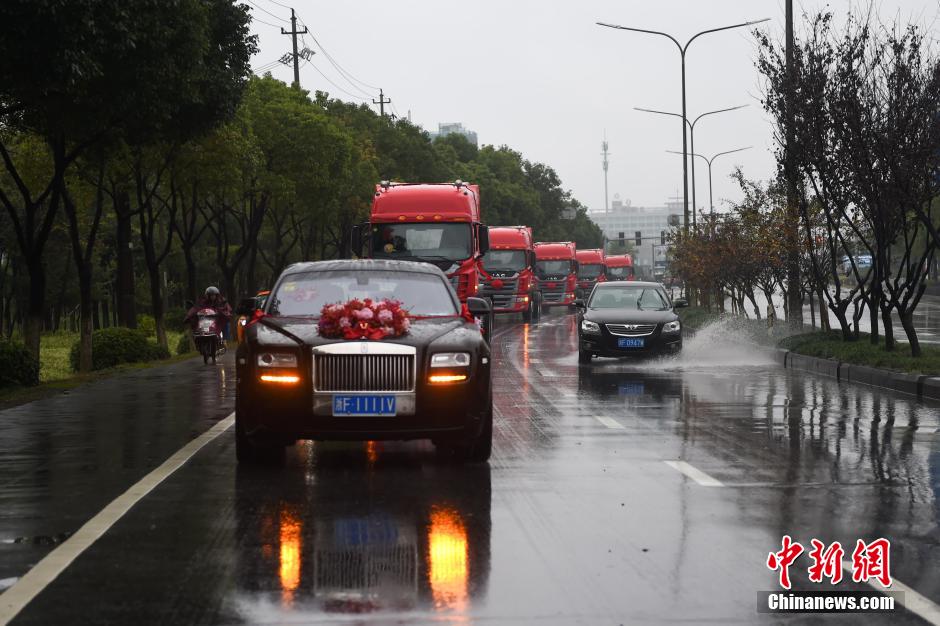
[(924, 387), (930, 388)]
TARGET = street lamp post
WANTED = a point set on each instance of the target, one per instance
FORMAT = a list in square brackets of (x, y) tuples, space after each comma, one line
[(682, 50), (709, 162), (692, 140)]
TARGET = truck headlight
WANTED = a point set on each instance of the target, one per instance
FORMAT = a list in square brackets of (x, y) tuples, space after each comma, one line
[(450, 359), (277, 359), (589, 327), (672, 327)]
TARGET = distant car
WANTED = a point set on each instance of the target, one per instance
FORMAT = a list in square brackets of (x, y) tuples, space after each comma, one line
[(433, 382), (622, 319)]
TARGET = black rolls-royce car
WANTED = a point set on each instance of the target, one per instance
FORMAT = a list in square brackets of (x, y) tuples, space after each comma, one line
[(632, 318), (432, 382)]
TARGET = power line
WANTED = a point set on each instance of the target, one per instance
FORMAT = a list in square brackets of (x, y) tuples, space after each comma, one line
[(255, 19), (280, 4), (261, 8), (349, 77), (327, 79)]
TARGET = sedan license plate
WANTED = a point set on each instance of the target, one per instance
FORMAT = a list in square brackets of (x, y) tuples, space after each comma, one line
[(625, 342), (364, 406)]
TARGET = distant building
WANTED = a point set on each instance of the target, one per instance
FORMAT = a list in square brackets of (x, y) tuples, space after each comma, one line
[(451, 128), (651, 222)]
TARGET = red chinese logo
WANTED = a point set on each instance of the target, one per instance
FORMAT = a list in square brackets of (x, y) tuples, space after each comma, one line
[(872, 561), (826, 562), (782, 560)]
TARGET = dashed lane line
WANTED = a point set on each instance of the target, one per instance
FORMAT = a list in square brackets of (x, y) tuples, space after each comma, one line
[(609, 422), (48, 569), (694, 473)]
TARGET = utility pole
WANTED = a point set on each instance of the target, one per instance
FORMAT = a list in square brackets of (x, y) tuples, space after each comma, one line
[(794, 292), (605, 153), (293, 32), (382, 101)]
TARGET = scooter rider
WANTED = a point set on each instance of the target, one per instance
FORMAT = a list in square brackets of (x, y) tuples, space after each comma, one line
[(213, 299)]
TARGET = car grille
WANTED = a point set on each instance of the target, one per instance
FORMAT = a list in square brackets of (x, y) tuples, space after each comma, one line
[(502, 298), (631, 330), (363, 372), (556, 293)]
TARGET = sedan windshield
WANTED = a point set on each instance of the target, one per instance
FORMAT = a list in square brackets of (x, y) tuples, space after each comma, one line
[(553, 268), (304, 294), (591, 270), (504, 260), (629, 297), (440, 241)]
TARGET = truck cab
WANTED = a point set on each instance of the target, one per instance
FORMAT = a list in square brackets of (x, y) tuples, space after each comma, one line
[(556, 271), (591, 270), (509, 272), (620, 267), (436, 223)]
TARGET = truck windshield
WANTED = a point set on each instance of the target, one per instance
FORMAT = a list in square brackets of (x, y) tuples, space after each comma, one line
[(304, 294), (503, 260), (620, 272), (592, 270), (403, 240), (561, 267)]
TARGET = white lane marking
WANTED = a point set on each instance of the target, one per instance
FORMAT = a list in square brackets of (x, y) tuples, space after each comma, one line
[(549, 373), (7, 582), (923, 607), (609, 422), (694, 473), (38, 578)]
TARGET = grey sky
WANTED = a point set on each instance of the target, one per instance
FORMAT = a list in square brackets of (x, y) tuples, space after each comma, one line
[(542, 78)]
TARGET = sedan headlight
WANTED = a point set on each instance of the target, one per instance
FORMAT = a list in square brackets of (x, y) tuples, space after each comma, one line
[(592, 328), (450, 359), (277, 359), (672, 327)]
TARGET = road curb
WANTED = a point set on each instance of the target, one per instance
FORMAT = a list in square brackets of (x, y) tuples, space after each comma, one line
[(923, 387)]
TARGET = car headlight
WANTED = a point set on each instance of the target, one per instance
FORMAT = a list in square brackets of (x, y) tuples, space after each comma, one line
[(450, 359), (672, 327), (277, 359), (590, 327)]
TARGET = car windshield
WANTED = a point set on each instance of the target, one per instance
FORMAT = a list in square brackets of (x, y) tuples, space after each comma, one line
[(396, 241), (304, 294), (553, 268), (590, 270), (620, 272), (504, 260), (629, 297)]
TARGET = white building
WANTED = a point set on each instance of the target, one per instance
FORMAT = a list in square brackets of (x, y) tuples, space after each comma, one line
[(651, 222), (450, 128)]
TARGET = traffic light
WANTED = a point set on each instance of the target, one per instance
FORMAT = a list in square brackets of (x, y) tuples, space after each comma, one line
[(662, 238), (639, 239)]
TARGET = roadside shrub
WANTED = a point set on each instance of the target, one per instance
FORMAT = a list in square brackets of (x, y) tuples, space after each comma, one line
[(173, 319), (17, 365), (146, 325), (182, 346), (113, 346)]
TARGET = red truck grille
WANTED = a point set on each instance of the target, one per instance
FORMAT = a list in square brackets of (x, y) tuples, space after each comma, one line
[(502, 297)]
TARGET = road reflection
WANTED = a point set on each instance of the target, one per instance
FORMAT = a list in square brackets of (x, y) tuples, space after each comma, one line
[(362, 528)]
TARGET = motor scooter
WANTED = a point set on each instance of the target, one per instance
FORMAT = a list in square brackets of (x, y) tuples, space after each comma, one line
[(207, 334)]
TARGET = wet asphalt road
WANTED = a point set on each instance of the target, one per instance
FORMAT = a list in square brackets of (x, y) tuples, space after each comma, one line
[(578, 518)]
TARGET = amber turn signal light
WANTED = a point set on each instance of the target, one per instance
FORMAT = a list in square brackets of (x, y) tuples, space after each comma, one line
[(446, 378), (283, 379)]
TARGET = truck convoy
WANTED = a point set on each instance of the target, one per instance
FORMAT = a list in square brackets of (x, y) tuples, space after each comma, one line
[(620, 267), (509, 266), (556, 269), (591, 270), (436, 223)]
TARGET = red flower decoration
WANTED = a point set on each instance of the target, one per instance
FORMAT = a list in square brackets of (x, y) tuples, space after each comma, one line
[(363, 319), (496, 283)]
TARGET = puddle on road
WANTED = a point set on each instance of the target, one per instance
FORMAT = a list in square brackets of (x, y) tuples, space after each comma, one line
[(722, 344)]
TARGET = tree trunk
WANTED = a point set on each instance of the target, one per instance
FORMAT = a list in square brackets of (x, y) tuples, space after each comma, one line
[(823, 311), (156, 299), (32, 329), (192, 289), (907, 323), (750, 296), (124, 285), (889, 329), (86, 320)]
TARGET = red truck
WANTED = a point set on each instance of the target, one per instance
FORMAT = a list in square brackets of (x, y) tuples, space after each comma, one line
[(510, 268), (591, 270), (436, 223), (556, 271), (620, 267)]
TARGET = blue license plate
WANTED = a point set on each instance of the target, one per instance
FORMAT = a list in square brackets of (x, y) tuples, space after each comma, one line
[(364, 405), (631, 389), (626, 342)]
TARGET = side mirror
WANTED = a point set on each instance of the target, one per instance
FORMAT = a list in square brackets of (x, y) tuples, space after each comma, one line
[(579, 304), (530, 258), (478, 306), (575, 267), (355, 239), (484, 239), (680, 303)]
